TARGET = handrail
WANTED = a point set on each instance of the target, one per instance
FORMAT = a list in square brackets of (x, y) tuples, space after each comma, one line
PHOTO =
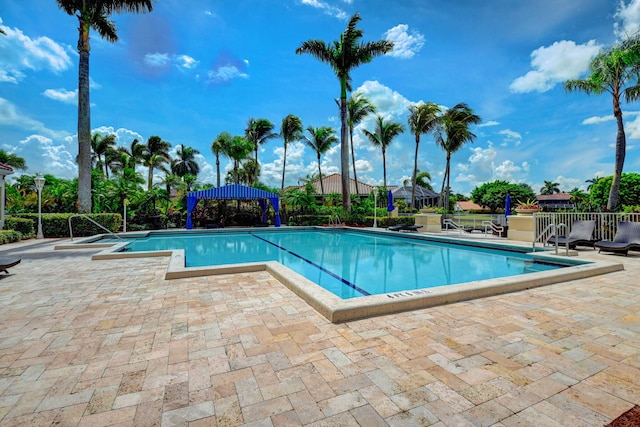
[(494, 227), (449, 222), (554, 232), (90, 220)]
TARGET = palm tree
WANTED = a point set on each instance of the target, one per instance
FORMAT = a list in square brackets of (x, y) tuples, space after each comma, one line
[(12, 160), (342, 56), (101, 146), (381, 137), (259, 131), (155, 154), (615, 71), (358, 108), (92, 14), (320, 140), (185, 163), (422, 179), (550, 187), (593, 181), (423, 118), (237, 150), (218, 147), (290, 131), (451, 134)]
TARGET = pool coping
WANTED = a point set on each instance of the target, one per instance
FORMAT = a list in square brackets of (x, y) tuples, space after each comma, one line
[(338, 310)]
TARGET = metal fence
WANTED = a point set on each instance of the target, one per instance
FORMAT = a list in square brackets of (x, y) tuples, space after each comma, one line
[(606, 223)]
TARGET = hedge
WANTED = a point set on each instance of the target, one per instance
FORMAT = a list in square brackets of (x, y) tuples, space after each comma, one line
[(9, 236), (57, 225), (23, 226)]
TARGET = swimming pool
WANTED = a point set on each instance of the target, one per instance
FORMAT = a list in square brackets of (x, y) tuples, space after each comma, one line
[(397, 253), (349, 263)]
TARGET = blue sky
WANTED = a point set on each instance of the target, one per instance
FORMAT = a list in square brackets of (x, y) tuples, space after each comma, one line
[(187, 73)]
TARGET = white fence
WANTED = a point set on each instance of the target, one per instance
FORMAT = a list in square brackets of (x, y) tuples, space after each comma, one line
[(606, 223)]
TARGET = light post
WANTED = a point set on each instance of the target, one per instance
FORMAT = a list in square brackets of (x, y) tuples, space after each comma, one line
[(124, 224), (375, 205), (39, 186)]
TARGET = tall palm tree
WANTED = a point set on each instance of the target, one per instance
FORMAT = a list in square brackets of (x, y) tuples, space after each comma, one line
[(422, 179), (423, 118), (615, 71), (100, 147), (381, 137), (451, 134), (592, 182), (290, 131), (320, 139), (218, 147), (92, 14), (343, 55), (550, 187), (12, 160), (237, 150), (185, 162), (155, 154), (259, 131), (358, 108)]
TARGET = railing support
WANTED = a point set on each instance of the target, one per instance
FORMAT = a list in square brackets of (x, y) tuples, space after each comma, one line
[(90, 220)]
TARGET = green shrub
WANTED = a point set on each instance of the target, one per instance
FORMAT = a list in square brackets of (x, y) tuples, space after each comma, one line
[(9, 236), (22, 225), (57, 225)]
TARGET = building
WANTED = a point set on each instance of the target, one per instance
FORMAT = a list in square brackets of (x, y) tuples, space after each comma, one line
[(4, 171), (333, 184), (424, 196), (552, 202)]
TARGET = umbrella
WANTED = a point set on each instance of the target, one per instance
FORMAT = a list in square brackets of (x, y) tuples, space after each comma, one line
[(390, 206), (507, 206)]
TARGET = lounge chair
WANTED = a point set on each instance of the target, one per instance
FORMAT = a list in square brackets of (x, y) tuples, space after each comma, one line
[(404, 227), (6, 263), (581, 234), (627, 238)]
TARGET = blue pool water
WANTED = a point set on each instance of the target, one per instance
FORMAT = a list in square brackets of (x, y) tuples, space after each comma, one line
[(349, 263)]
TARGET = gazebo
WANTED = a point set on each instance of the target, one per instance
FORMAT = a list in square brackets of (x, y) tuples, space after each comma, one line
[(234, 192)]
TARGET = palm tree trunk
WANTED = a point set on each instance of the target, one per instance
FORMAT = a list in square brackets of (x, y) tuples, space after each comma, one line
[(344, 149), (415, 173), (320, 174), (353, 160), (284, 165), (621, 148), (84, 125), (150, 178), (384, 168), (217, 171)]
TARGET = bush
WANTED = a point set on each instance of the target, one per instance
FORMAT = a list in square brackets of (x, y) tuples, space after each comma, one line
[(22, 225), (57, 225), (9, 236)]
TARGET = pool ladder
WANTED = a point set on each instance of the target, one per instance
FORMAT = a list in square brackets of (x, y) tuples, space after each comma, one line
[(90, 220), (334, 222)]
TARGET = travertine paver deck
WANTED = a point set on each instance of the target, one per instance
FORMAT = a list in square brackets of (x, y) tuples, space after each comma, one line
[(96, 343)]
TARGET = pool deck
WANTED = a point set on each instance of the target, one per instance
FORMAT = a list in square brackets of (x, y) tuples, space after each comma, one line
[(111, 342)]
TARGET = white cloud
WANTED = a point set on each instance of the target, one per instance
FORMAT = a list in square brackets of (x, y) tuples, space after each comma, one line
[(326, 8), (157, 59), (596, 120), (384, 98), (62, 95), (11, 116), (185, 61), (405, 44), (489, 123), (628, 16), (19, 52), (226, 73), (46, 156), (563, 60)]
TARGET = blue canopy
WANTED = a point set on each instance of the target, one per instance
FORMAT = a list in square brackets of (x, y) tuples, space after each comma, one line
[(234, 192)]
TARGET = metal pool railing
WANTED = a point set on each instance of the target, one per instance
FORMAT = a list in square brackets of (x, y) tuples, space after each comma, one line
[(606, 223)]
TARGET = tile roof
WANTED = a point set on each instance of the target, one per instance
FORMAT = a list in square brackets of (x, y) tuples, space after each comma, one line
[(333, 184), (557, 196)]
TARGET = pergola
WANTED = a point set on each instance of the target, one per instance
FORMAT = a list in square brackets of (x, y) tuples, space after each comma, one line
[(234, 192)]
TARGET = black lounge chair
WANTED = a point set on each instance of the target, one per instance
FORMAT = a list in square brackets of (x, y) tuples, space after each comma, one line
[(627, 238), (581, 234), (6, 263), (404, 227)]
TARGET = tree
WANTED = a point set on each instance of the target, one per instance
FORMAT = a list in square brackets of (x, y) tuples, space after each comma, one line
[(615, 71), (238, 150), (12, 160), (218, 146), (343, 56), (155, 154), (290, 131), (423, 118), (550, 187), (452, 133), (381, 137), (320, 140), (358, 108), (422, 179), (185, 163), (592, 181), (101, 147), (629, 190), (493, 194), (92, 14), (258, 132)]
